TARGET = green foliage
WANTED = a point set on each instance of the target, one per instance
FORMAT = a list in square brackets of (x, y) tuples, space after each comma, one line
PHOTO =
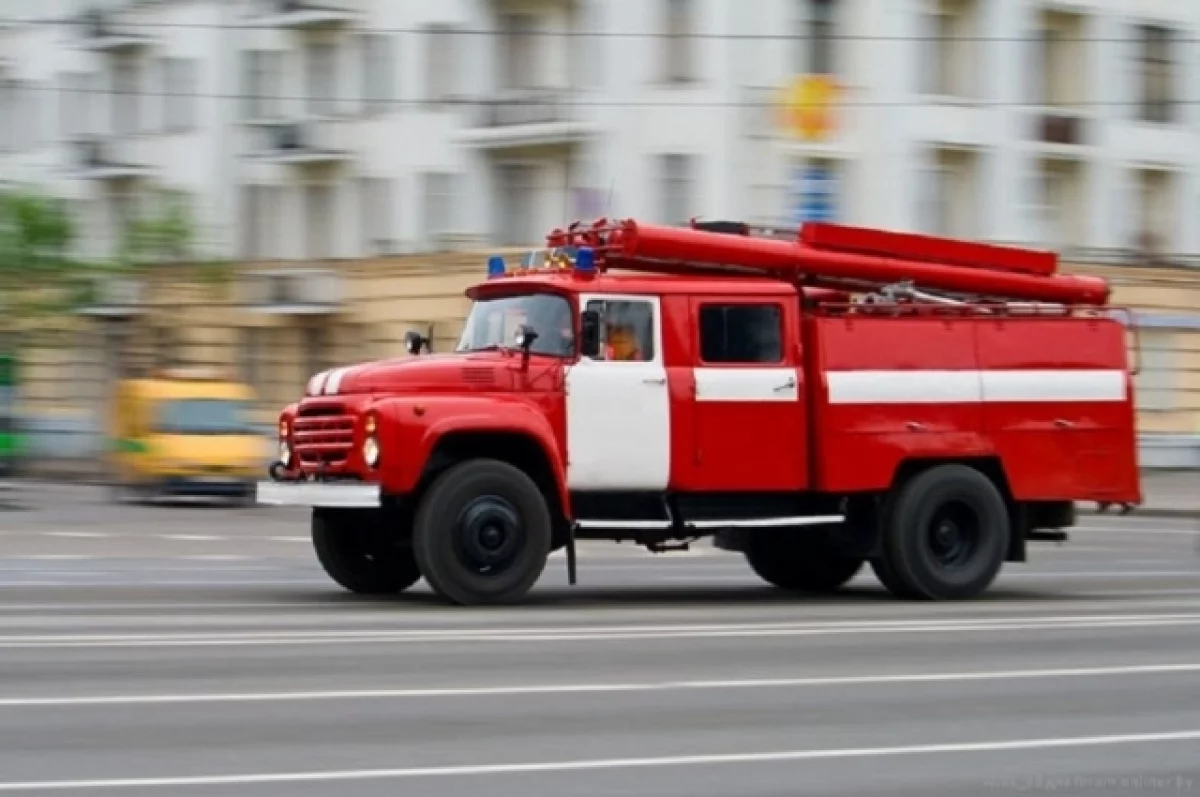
[(38, 278), (163, 235)]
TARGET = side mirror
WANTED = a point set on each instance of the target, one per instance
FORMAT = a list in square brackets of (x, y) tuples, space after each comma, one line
[(414, 341), (589, 333), (525, 337)]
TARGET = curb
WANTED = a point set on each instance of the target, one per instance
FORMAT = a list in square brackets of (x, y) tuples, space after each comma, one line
[(1147, 513)]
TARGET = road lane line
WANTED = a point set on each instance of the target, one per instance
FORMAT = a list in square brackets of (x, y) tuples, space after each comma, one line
[(518, 768), (610, 634), (587, 688)]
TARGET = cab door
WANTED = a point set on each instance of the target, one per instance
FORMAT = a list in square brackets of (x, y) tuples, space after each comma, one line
[(618, 410), (749, 407)]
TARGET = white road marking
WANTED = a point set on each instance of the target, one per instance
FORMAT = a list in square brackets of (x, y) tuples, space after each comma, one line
[(599, 634), (560, 689), (191, 537), (54, 557), (216, 557), (714, 759), (284, 539), (80, 534)]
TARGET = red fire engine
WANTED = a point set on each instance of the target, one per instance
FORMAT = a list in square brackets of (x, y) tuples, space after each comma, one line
[(816, 399)]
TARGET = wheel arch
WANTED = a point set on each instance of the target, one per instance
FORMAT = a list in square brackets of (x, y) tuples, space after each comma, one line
[(865, 511), (520, 448)]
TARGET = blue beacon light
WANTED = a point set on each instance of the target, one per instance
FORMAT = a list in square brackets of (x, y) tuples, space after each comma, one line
[(495, 267), (585, 261)]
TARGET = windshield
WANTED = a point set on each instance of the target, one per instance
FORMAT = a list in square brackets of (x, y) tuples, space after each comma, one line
[(494, 323), (204, 416)]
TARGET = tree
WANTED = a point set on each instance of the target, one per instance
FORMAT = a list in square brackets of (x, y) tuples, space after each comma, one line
[(39, 279)]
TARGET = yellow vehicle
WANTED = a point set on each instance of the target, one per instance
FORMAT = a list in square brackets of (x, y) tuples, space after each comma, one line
[(185, 433)]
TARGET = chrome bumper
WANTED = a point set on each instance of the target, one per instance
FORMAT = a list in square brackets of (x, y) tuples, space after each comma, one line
[(319, 494)]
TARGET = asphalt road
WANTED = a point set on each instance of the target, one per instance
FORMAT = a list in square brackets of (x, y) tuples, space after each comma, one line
[(186, 650)]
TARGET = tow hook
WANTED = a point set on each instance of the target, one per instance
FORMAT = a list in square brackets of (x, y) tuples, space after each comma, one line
[(278, 473)]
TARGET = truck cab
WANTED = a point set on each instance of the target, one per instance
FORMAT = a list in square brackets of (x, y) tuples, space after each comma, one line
[(662, 406)]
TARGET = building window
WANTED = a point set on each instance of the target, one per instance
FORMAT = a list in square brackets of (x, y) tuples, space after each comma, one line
[(441, 63), (518, 48), (378, 72), (820, 35), (1158, 96), (439, 197), (376, 214), (517, 205), (951, 58), (125, 98), (1060, 61), (741, 333), (179, 94), (262, 80), (319, 205), (680, 41), (322, 79), (73, 105), (677, 179)]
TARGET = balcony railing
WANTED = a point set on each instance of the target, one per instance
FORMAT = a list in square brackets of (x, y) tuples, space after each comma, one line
[(298, 141), (108, 159), (523, 108)]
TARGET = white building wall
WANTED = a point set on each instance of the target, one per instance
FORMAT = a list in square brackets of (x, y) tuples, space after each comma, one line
[(624, 117)]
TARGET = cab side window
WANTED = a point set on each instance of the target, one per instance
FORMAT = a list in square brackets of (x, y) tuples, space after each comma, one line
[(741, 333), (626, 329)]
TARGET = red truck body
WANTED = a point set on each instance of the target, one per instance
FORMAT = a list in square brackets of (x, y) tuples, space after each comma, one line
[(809, 434)]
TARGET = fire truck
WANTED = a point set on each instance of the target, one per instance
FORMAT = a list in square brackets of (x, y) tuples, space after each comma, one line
[(821, 399)]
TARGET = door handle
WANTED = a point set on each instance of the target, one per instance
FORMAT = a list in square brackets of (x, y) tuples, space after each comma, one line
[(788, 385), (654, 380), (1063, 424), (913, 426)]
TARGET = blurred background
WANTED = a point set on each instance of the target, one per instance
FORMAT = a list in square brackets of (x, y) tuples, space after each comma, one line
[(258, 190)]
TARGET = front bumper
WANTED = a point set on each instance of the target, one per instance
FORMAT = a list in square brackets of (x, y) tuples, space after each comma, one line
[(320, 494), (205, 486)]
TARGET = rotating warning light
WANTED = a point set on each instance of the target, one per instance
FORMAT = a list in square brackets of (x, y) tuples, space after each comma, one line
[(495, 267), (585, 260)]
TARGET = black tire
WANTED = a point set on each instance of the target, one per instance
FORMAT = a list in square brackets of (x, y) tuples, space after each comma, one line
[(945, 535), (799, 561), (482, 533), (358, 559)]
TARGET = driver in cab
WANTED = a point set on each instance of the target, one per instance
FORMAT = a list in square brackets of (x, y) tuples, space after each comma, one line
[(621, 343)]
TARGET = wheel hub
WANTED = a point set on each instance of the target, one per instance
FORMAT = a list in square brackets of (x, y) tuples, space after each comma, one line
[(953, 536), (488, 535)]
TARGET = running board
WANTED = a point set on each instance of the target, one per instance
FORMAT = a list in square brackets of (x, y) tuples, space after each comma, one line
[(766, 522), (734, 523)]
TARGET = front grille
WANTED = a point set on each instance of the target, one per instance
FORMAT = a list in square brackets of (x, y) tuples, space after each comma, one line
[(323, 435)]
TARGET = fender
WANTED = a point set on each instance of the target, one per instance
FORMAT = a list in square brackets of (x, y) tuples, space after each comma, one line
[(414, 425)]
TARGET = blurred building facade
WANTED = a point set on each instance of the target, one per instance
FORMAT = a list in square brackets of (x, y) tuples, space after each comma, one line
[(363, 128), (335, 150)]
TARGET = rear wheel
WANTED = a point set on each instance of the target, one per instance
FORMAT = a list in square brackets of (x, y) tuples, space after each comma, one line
[(945, 535), (802, 561), (360, 559), (482, 533)]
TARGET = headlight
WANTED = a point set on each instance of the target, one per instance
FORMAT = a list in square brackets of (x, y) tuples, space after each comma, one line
[(370, 452), (285, 453)]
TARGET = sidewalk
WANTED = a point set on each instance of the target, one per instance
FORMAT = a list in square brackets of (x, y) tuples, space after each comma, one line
[(1165, 493)]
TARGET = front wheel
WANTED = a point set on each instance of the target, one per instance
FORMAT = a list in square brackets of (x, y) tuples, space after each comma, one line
[(482, 533), (359, 559)]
